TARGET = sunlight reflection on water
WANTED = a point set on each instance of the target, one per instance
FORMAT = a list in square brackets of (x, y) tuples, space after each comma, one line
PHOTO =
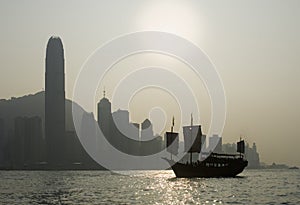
[(147, 187)]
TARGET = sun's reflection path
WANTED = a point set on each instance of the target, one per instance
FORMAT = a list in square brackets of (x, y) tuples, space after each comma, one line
[(171, 190)]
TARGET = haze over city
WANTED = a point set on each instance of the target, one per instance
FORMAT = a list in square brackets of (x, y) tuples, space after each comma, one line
[(253, 45)]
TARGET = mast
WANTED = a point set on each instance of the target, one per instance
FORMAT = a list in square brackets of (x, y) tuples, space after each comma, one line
[(173, 122), (191, 156), (172, 128), (240, 152)]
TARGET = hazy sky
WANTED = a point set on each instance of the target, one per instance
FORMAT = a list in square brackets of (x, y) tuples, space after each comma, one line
[(255, 46)]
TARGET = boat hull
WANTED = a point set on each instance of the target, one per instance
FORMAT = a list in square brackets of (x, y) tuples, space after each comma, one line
[(200, 169)]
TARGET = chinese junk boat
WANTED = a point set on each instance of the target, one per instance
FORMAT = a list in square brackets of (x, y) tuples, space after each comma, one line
[(214, 165)]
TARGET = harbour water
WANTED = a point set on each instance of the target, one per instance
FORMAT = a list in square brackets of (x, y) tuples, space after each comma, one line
[(147, 187)]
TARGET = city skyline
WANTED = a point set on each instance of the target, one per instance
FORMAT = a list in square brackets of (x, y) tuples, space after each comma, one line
[(257, 60), (26, 145)]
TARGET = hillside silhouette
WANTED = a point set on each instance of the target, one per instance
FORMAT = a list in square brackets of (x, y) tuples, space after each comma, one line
[(29, 106)]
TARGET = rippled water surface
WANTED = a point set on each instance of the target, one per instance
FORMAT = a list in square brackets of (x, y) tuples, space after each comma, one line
[(147, 187)]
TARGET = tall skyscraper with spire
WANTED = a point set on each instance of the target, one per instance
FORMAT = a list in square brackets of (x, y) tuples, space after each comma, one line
[(55, 101), (105, 116)]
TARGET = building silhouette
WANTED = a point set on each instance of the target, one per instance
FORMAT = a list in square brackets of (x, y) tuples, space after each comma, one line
[(229, 148), (105, 119), (28, 142), (128, 137), (252, 156), (104, 115), (34, 142), (121, 130), (55, 102), (18, 150), (150, 143), (89, 131), (121, 120), (135, 131), (2, 142), (146, 130), (74, 151)]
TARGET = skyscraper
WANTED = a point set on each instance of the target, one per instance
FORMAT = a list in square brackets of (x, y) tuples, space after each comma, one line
[(2, 142), (147, 130), (55, 101), (27, 141), (106, 123), (18, 142), (105, 119), (121, 120)]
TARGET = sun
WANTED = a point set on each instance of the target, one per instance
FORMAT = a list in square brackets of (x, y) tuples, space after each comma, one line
[(175, 17)]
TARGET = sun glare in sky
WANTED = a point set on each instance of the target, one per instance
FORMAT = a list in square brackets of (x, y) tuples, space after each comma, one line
[(179, 18)]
